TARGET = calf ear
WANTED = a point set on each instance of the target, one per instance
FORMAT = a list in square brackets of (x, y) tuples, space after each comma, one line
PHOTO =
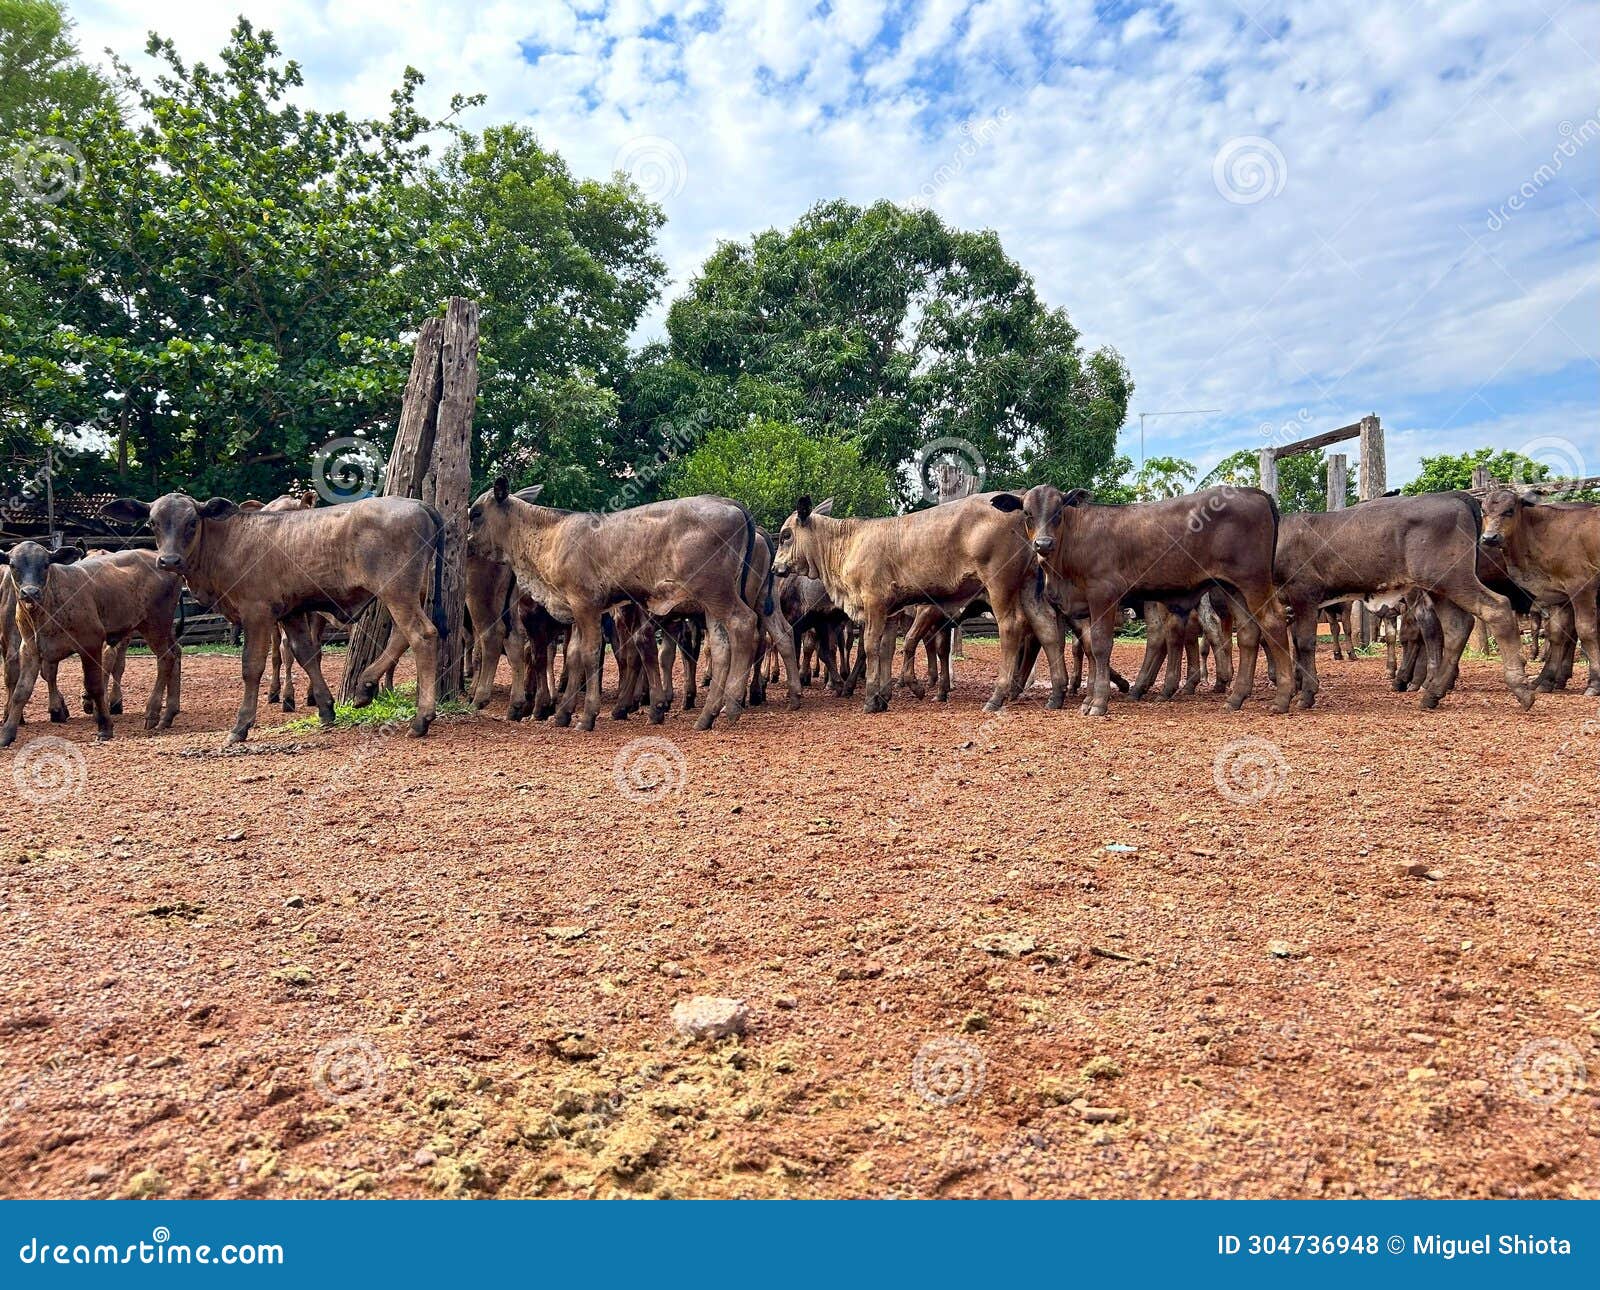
[(531, 493), (126, 510), (215, 508), (824, 507), (802, 508), (1007, 502), (502, 489), (251, 504), (1077, 497), (5, 558), (308, 499), (66, 555)]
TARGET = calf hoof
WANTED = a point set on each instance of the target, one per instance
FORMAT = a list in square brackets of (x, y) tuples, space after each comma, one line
[(688, 703), (1524, 695), (166, 720), (658, 714), (544, 712), (116, 708), (1430, 700), (1220, 687), (288, 704), (1592, 692), (620, 712), (1307, 698), (1235, 702), (1281, 706), (586, 722), (103, 734), (8, 736), (794, 703), (88, 707), (516, 712), (944, 697), (1545, 685), (1056, 700), (273, 696), (1095, 710), (563, 719), (419, 726), (366, 695), (994, 704), (152, 720), (1399, 684), (236, 737), (59, 715), (704, 723)]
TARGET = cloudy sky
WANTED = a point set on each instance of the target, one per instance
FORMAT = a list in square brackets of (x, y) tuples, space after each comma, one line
[(1296, 213)]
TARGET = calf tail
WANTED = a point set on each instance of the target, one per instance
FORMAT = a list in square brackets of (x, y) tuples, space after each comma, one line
[(440, 623), (749, 549), (772, 559)]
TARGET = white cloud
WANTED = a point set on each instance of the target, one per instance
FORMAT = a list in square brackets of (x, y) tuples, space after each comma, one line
[(1375, 279)]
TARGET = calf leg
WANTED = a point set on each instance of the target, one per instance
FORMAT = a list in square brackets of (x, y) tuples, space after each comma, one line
[(1044, 627), (489, 644), (94, 682), (874, 629), (783, 647), (116, 662), (162, 705), (1102, 629), (1191, 656), (1496, 611), (252, 662), (306, 646), (54, 702), (21, 692), (1586, 618), (1155, 653)]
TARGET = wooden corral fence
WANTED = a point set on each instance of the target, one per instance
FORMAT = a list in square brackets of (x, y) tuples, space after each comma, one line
[(1373, 481)]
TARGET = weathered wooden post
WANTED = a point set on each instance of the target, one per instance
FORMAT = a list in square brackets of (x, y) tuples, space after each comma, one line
[(1373, 483), (452, 477), (1481, 481), (408, 465), (1268, 469), (1338, 480)]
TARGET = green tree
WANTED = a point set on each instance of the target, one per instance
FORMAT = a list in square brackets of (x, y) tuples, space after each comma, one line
[(1163, 477), (1450, 471), (41, 74), (563, 269), (887, 329), (220, 293), (768, 464), (1302, 479)]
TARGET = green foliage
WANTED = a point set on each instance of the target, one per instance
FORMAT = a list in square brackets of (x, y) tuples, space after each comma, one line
[(1302, 479), (41, 74), (564, 270), (393, 707), (1163, 477), (884, 328), (1451, 471), (768, 464), (219, 296)]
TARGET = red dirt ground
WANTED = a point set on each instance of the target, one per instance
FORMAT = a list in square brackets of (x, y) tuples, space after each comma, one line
[(375, 965)]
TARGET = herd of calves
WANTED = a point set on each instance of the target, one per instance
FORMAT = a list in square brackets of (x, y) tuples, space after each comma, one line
[(697, 576)]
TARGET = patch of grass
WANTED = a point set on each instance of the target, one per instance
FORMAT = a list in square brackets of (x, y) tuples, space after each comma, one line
[(398, 705)]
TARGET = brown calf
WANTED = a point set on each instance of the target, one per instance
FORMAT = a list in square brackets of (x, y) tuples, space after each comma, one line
[(1111, 555), (944, 556), (260, 568), (675, 558), (65, 608), (1382, 549), (1552, 551)]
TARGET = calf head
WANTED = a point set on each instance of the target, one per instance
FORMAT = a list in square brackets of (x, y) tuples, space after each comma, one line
[(798, 541), (175, 519), (490, 518), (30, 566), (1043, 507), (1502, 512)]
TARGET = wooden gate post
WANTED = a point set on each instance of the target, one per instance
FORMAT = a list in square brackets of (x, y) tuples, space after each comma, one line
[(408, 464), (1338, 480), (452, 477), (1268, 463), (1373, 483)]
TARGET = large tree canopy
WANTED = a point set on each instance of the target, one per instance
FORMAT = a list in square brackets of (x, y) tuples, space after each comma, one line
[(885, 328), (564, 269)]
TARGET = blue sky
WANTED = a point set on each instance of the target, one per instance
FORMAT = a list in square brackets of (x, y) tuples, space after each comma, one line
[(1297, 213)]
